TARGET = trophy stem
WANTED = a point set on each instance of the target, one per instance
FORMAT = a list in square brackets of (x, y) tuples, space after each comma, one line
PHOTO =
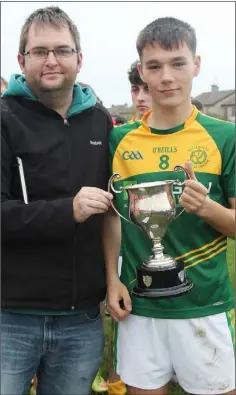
[(157, 248), (159, 260)]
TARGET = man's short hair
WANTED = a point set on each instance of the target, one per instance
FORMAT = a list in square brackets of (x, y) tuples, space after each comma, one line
[(197, 104), (169, 33), (48, 16)]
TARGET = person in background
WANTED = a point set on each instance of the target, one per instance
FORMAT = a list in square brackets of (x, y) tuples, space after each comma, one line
[(140, 94), (4, 85), (52, 213), (198, 105), (120, 120)]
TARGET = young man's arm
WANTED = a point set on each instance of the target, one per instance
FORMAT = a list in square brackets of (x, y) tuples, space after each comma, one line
[(195, 200), (116, 291), (219, 217)]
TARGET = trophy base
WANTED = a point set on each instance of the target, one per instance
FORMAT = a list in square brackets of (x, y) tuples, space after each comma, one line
[(162, 284)]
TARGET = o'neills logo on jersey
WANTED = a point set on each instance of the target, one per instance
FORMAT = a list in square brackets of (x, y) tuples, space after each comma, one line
[(198, 156), (164, 150), (131, 155)]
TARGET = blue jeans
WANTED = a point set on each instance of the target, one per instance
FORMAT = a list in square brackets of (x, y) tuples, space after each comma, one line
[(64, 351)]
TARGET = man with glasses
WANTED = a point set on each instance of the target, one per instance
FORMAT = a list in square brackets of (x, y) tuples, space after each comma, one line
[(54, 177)]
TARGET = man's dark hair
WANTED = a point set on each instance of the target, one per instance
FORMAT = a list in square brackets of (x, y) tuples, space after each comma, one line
[(48, 16), (133, 74), (197, 104), (169, 33)]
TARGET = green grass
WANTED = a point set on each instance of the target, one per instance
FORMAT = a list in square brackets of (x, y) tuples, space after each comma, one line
[(175, 389)]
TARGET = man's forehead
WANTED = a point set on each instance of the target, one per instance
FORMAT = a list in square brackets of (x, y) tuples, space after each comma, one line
[(44, 31), (155, 51)]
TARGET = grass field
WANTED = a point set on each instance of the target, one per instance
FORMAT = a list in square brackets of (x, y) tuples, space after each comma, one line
[(175, 389)]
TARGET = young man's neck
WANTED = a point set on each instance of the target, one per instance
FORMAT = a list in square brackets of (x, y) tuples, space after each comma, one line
[(169, 117)]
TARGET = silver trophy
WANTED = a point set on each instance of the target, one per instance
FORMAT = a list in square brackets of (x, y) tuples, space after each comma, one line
[(152, 207)]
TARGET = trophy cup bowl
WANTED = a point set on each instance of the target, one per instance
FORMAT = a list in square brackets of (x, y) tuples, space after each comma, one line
[(152, 207)]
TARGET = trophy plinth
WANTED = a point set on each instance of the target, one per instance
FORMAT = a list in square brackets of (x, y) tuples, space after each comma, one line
[(161, 283), (152, 207)]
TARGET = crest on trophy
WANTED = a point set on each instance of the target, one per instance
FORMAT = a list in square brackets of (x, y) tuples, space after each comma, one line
[(147, 280)]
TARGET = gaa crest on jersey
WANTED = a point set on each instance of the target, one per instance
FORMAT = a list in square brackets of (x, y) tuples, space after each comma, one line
[(147, 280), (198, 155)]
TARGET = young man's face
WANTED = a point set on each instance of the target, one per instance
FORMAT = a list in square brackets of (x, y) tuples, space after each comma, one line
[(169, 73), (53, 73), (141, 98)]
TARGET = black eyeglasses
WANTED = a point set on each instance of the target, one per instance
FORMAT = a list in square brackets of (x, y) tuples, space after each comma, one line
[(42, 53)]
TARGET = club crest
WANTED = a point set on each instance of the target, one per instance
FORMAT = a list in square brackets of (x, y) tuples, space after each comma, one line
[(147, 280)]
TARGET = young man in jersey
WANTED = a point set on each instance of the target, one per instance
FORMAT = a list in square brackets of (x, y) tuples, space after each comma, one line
[(140, 94), (191, 334), (142, 101)]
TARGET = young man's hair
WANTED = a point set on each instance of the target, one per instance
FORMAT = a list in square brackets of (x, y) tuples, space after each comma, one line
[(169, 33), (48, 16), (133, 74), (197, 104)]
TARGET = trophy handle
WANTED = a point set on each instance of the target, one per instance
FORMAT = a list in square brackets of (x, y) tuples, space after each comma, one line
[(111, 189), (186, 173), (178, 182)]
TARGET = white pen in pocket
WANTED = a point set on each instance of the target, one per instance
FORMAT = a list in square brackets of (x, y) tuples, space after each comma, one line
[(22, 180)]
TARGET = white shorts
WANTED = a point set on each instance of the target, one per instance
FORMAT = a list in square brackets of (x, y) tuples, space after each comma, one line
[(199, 350)]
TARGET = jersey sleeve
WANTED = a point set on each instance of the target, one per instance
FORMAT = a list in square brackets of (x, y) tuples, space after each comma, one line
[(228, 162)]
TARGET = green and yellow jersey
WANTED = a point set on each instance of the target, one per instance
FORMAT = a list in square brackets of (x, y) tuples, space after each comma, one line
[(143, 154)]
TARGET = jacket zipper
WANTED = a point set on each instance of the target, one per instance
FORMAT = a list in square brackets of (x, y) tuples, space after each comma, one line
[(72, 307)]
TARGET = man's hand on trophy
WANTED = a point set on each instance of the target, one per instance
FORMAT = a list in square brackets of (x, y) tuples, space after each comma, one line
[(194, 196), (119, 303), (90, 201)]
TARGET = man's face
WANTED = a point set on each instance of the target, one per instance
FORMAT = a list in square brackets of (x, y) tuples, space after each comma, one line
[(169, 73), (141, 98), (51, 74)]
